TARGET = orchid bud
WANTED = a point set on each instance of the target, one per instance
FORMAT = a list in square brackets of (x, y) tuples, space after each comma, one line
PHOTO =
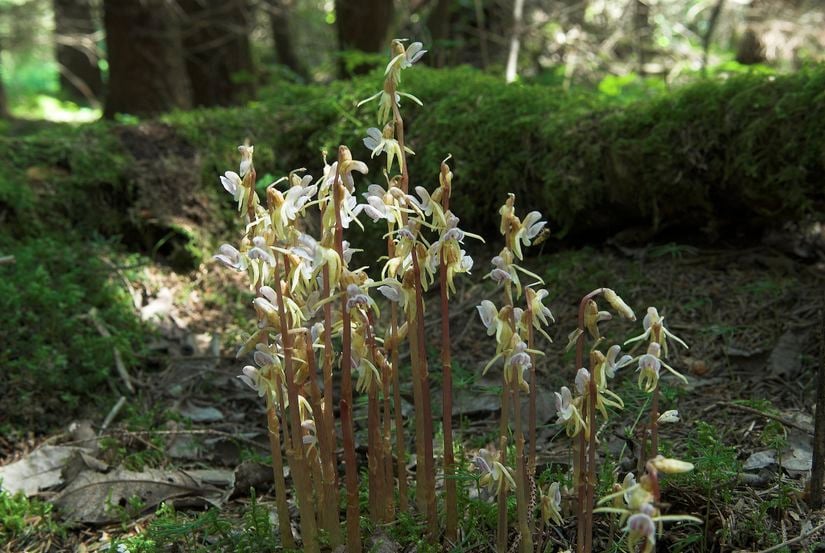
[(618, 304), (670, 466)]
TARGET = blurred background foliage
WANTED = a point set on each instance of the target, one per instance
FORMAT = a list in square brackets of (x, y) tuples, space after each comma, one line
[(622, 48)]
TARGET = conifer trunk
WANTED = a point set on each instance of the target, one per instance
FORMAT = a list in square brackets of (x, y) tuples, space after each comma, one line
[(218, 55), (147, 74)]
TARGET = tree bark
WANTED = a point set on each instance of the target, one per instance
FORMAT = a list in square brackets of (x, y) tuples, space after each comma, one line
[(279, 19), (218, 54), (511, 71), (363, 25), (77, 51), (147, 73), (4, 110), (439, 24), (750, 49), (707, 38), (641, 26)]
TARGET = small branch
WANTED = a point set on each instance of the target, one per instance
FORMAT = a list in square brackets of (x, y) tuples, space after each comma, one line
[(818, 469), (792, 541), (777, 418), (119, 364), (113, 413), (191, 431), (7, 260)]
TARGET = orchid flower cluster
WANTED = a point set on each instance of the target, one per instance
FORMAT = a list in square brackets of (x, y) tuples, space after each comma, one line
[(578, 412), (320, 334), (637, 503), (513, 327), (651, 363), (297, 277)]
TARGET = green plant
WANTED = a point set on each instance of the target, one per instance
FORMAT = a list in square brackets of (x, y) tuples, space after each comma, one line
[(25, 522), (54, 355), (717, 468), (250, 532)]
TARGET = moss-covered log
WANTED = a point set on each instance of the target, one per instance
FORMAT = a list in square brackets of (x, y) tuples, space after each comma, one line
[(714, 155)]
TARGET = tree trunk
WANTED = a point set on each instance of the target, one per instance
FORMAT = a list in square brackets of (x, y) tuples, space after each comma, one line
[(279, 18), (511, 71), (147, 74), (439, 24), (641, 26), (708, 36), (363, 25), (4, 110), (750, 49), (218, 55), (77, 51)]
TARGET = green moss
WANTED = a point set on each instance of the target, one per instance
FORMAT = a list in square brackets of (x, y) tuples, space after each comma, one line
[(63, 177), (53, 356), (746, 151), (26, 522)]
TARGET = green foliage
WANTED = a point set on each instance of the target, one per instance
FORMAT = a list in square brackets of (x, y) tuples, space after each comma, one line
[(25, 521), (209, 531), (685, 157), (716, 464), (746, 150), (53, 355)]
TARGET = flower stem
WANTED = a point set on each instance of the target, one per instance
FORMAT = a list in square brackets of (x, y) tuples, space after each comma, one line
[(328, 355), (451, 500), (526, 543), (350, 468), (587, 448), (285, 530), (375, 461), (591, 462), (400, 445), (309, 530), (328, 497), (428, 486), (654, 423), (429, 461), (531, 423)]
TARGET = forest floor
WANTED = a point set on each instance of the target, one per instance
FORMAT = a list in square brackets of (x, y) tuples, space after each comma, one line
[(750, 315)]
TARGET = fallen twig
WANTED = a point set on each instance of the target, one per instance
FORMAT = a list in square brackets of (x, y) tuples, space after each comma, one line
[(119, 365), (191, 431), (777, 418), (818, 468), (7, 260), (113, 413), (800, 537)]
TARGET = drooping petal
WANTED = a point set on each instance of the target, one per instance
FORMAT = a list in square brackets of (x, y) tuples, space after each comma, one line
[(488, 312)]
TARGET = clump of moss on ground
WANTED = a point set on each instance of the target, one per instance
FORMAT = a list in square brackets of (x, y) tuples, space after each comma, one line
[(26, 522), (713, 155), (744, 151), (55, 361), (63, 177)]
